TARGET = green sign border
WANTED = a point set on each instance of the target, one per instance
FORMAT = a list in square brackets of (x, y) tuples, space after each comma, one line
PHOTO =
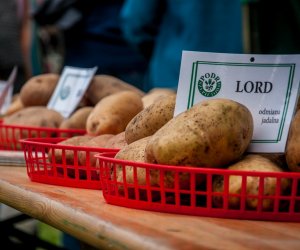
[(292, 66)]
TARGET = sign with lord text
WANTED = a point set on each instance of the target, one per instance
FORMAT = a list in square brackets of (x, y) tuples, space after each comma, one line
[(267, 85)]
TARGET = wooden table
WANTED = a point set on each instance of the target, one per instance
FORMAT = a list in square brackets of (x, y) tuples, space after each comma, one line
[(84, 214)]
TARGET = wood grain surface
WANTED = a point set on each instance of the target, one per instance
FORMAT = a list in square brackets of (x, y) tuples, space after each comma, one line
[(84, 214)]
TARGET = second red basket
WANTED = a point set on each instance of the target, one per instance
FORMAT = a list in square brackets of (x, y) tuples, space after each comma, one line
[(51, 163)]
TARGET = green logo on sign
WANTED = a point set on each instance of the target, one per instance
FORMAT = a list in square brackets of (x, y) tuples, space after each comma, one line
[(64, 92), (209, 84)]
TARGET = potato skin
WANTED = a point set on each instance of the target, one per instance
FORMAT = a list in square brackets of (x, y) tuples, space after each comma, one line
[(132, 152), (35, 116), (27, 117), (150, 119), (96, 142), (78, 119), (212, 133), (256, 163), (292, 152), (155, 94), (136, 152), (38, 90), (105, 85), (69, 154), (117, 141), (112, 114)]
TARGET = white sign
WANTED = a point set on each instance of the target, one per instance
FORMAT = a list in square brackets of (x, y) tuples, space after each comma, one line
[(267, 85), (6, 90), (70, 89)]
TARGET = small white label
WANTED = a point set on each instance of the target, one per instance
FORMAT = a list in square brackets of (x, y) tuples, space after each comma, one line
[(6, 90), (266, 84), (70, 89)]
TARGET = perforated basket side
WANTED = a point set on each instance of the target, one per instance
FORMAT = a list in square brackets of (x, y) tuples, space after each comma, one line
[(51, 163), (11, 134), (200, 191)]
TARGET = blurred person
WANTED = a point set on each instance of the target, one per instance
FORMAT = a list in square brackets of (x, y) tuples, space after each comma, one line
[(162, 29), (93, 37), (274, 26), (12, 49)]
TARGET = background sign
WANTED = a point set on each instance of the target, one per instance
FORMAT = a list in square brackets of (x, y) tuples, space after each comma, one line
[(70, 89)]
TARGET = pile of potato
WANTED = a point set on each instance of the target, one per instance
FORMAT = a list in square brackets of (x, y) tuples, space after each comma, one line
[(212, 134)]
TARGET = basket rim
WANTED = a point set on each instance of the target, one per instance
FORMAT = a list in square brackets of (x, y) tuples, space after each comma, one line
[(16, 126), (109, 157), (51, 142)]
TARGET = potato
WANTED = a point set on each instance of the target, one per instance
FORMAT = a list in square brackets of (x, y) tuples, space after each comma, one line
[(155, 94), (36, 117), (212, 133), (78, 119), (256, 163), (117, 141), (105, 85), (133, 152), (112, 114), (98, 142), (277, 158), (38, 90), (68, 154), (136, 152), (150, 119), (292, 152)]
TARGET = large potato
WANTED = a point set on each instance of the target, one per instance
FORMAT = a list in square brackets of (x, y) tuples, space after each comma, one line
[(38, 90), (136, 152), (250, 163), (292, 153), (35, 116), (105, 85), (112, 114), (150, 119), (212, 133)]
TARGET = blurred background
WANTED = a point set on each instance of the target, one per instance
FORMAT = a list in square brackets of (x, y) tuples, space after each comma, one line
[(137, 41)]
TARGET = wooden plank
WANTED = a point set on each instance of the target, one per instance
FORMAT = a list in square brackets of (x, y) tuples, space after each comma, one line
[(84, 214)]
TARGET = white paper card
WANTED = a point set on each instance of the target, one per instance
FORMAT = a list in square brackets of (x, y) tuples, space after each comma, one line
[(267, 84), (6, 90), (70, 89)]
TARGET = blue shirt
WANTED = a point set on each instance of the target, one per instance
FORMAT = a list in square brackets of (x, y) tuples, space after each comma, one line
[(177, 25)]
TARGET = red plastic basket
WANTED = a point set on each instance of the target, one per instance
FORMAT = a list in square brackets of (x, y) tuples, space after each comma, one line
[(51, 163), (11, 134), (189, 190)]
